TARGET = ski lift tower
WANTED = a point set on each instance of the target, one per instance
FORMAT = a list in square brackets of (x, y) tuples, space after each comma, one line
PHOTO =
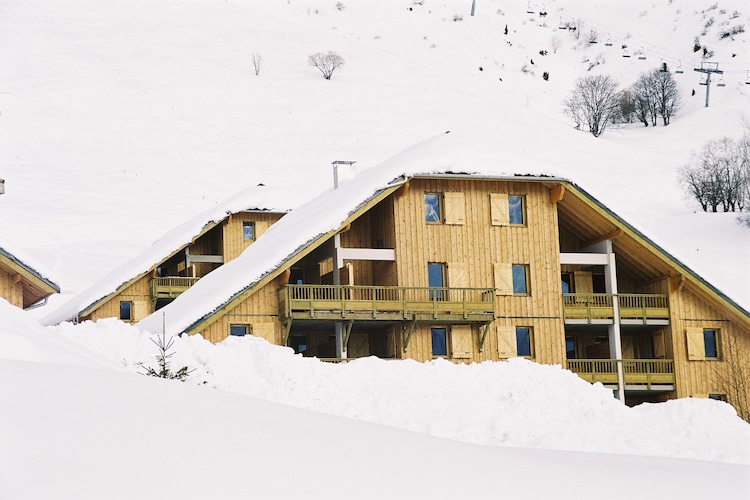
[(707, 68)]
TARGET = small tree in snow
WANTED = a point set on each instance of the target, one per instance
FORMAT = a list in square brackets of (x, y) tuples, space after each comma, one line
[(163, 359), (594, 103), (326, 63), (257, 59)]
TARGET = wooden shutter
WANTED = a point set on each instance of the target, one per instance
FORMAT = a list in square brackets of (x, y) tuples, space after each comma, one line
[(140, 310), (456, 274), (584, 282), (628, 350), (264, 330), (506, 342), (503, 278), (346, 275), (454, 208), (660, 351), (499, 209), (696, 347), (359, 345), (260, 228), (461, 343)]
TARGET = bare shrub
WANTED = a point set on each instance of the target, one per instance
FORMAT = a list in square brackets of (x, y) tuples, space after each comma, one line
[(594, 103), (718, 175), (326, 63), (257, 59), (655, 94)]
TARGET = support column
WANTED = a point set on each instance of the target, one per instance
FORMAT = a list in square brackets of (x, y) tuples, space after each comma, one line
[(338, 263), (615, 340)]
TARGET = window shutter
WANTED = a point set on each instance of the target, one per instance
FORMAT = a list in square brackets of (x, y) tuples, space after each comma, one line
[(696, 348), (503, 278), (499, 209), (506, 342), (260, 228), (454, 208), (660, 351), (264, 330), (359, 345), (140, 310), (584, 282), (456, 274), (461, 342)]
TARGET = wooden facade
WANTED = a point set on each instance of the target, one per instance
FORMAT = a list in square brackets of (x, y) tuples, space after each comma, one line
[(556, 278), (21, 285), (218, 243)]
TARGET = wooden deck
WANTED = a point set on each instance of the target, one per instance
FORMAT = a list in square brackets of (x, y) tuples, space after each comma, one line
[(378, 303), (592, 307), (170, 287), (643, 373)]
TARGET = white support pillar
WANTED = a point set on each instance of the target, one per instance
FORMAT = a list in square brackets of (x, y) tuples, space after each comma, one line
[(338, 263), (615, 340)]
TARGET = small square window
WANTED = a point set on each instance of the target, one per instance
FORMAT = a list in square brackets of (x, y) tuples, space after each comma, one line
[(239, 330), (126, 310), (524, 341), (711, 343), (439, 342), (520, 279), (248, 231), (433, 208), (516, 210)]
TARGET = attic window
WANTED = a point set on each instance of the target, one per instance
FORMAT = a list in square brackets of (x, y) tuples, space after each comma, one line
[(126, 310), (433, 208), (248, 231)]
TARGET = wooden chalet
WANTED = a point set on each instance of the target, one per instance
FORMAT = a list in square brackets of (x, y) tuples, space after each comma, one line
[(477, 267), (177, 261), (22, 285)]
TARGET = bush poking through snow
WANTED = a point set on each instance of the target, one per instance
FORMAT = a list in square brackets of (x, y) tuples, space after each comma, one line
[(326, 63), (165, 371), (257, 59)]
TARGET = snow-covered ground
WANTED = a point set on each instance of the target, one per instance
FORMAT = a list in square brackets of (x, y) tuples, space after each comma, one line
[(121, 121), (79, 425)]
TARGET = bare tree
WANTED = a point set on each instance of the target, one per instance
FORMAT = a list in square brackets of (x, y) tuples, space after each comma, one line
[(594, 103), (735, 376), (718, 176), (257, 59), (326, 63), (655, 94), (556, 42)]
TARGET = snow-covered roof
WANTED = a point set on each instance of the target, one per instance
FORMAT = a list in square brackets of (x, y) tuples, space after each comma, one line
[(448, 154), (33, 269), (257, 198)]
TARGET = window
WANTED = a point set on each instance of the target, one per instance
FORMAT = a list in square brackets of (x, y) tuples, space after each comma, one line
[(520, 273), (433, 208), (516, 210), (718, 397), (439, 343), (711, 343), (239, 330), (126, 310), (248, 231), (524, 341), (436, 279), (570, 347)]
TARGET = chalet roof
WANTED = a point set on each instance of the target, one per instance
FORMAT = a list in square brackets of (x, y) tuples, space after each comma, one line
[(315, 221), (260, 198), (36, 286)]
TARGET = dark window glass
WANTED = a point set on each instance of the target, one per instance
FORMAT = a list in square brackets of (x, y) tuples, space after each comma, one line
[(519, 279), (248, 231), (238, 330), (439, 345), (436, 279), (711, 344), (299, 344), (126, 310), (570, 347), (515, 209), (432, 207), (718, 397), (523, 341)]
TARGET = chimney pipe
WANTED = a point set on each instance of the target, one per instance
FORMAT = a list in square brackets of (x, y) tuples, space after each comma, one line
[(342, 171)]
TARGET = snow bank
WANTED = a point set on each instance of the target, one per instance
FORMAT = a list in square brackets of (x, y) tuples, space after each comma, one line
[(514, 403)]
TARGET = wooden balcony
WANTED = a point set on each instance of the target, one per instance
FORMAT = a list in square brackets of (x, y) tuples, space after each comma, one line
[(170, 287), (386, 303), (599, 307), (639, 374)]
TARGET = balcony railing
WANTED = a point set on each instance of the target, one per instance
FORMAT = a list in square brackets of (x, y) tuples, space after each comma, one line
[(637, 372), (170, 287), (336, 302), (600, 306)]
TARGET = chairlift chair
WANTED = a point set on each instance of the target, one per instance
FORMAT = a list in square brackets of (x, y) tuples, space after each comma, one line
[(679, 70), (721, 82), (562, 26), (642, 55), (608, 43), (747, 78), (704, 80), (625, 53), (529, 9)]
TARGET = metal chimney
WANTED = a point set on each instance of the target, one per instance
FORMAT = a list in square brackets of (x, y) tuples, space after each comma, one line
[(342, 171)]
